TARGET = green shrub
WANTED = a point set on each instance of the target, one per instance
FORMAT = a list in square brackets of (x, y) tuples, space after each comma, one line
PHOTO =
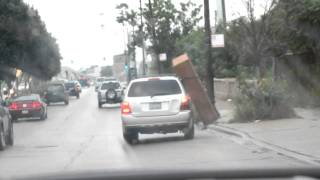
[(260, 100)]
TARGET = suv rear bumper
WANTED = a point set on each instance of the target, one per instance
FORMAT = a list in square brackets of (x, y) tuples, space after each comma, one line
[(74, 93), (56, 99), (111, 101), (157, 123)]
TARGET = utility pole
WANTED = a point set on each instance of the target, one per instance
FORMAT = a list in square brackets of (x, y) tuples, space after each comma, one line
[(220, 13), (154, 36), (224, 13), (143, 47), (209, 69)]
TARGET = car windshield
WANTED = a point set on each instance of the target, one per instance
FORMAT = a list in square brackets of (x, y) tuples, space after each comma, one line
[(159, 85), (110, 85), (26, 98), (69, 85), (154, 88)]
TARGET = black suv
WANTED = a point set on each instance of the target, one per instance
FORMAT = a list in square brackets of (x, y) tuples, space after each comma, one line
[(6, 127), (56, 92)]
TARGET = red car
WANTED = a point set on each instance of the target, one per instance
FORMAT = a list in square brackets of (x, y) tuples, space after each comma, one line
[(29, 106)]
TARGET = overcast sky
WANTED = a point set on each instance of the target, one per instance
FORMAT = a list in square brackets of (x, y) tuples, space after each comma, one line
[(76, 24)]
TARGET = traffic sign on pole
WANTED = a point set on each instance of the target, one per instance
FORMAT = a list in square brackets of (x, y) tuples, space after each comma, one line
[(217, 40), (163, 57)]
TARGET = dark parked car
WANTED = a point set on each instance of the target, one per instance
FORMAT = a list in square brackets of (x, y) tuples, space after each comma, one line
[(56, 92), (29, 106), (110, 92), (74, 88), (6, 127)]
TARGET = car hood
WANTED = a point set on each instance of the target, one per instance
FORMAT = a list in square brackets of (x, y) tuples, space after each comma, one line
[(172, 173)]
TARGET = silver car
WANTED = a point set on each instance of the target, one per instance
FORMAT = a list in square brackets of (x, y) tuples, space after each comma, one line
[(110, 92), (156, 105)]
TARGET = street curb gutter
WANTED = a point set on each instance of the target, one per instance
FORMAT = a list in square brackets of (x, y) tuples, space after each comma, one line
[(306, 158), (225, 130)]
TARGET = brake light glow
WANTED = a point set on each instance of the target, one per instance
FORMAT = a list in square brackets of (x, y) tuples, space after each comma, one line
[(13, 106), (36, 104), (125, 108), (185, 103)]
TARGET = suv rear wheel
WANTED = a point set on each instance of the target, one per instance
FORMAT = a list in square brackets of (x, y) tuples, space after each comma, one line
[(43, 116), (99, 104), (131, 137), (10, 138), (189, 134)]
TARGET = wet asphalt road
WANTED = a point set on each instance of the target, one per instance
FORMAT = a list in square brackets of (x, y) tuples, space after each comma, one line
[(81, 136)]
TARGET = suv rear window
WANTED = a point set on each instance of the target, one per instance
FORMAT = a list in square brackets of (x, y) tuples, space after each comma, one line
[(26, 98), (55, 88), (69, 85), (154, 87), (110, 85)]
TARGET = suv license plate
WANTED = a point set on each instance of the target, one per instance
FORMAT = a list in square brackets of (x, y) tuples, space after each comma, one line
[(154, 106), (24, 111)]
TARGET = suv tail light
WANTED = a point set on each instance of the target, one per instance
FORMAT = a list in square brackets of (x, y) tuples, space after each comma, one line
[(185, 103), (125, 108), (13, 106), (36, 104)]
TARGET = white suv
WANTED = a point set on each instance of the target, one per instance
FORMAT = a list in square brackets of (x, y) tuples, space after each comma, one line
[(110, 92), (156, 105)]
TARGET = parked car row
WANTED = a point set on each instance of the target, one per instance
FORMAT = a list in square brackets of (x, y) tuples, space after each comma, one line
[(33, 106)]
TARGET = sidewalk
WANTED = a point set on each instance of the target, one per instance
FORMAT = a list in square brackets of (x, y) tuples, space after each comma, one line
[(300, 135)]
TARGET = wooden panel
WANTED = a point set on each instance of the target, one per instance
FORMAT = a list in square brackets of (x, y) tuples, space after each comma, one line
[(183, 67)]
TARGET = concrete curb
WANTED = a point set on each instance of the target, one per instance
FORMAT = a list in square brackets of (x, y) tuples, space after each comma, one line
[(306, 158), (226, 130)]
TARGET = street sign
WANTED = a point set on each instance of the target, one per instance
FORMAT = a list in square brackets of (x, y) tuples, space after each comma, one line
[(217, 40), (163, 57)]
